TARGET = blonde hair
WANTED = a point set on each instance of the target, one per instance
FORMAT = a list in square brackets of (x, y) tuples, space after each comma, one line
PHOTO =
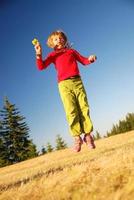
[(50, 38)]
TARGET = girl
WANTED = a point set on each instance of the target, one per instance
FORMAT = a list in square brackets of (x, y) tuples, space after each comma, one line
[(70, 85)]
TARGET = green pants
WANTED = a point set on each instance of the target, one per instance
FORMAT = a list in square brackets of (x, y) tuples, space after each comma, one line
[(76, 106)]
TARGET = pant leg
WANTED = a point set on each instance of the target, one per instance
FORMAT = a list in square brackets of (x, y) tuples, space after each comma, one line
[(70, 106), (83, 106)]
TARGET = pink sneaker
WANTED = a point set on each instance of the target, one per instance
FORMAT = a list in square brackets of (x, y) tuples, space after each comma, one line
[(77, 144), (88, 139)]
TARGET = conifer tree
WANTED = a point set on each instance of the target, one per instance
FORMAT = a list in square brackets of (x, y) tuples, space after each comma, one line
[(60, 143), (43, 150), (32, 151), (114, 130), (2, 148), (49, 147), (15, 135), (123, 125), (2, 160), (97, 136), (130, 121)]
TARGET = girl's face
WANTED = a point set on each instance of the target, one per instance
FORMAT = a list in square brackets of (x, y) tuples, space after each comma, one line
[(58, 41)]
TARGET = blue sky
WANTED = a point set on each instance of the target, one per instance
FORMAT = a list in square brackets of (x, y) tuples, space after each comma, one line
[(101, 27)]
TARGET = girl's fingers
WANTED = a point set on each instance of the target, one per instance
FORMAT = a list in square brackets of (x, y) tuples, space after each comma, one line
[(37, 47), (95, 57)]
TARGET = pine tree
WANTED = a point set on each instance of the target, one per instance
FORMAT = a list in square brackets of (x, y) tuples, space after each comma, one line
[(32, 151), (15, 135), (2, 160), (43, 151), (122, 126), (108, 134), (60, 143), (130, 121), (2, 148), (49, 148), (97, 136), (114, 130)]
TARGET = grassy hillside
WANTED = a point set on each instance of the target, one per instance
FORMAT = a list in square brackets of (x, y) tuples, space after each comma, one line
[(106, 173)]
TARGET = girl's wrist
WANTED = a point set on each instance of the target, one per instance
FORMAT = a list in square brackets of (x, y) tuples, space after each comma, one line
[(38, 56)]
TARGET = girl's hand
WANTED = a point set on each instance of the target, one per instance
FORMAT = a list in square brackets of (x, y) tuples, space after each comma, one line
[(92, 58), (38, 50)]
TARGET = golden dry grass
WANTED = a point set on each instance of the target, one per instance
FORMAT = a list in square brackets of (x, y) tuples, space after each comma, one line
[(106, 173)]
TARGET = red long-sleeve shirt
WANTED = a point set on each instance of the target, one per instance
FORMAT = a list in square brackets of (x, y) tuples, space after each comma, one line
[(65, 62)]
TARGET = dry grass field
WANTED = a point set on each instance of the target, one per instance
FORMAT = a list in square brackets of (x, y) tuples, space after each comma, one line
[(106, 173)]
